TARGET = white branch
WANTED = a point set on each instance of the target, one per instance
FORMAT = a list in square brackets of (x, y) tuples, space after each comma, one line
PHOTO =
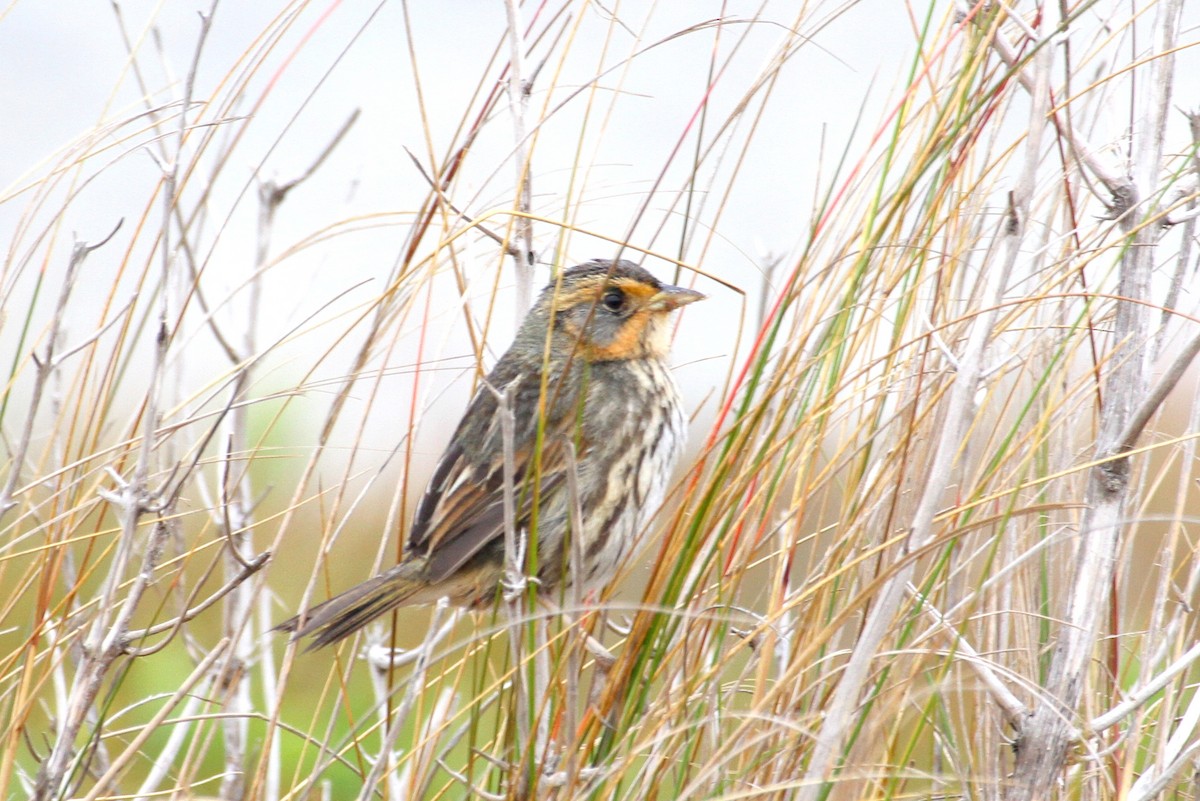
[(519, 87), (958, 415), (1143, 694)]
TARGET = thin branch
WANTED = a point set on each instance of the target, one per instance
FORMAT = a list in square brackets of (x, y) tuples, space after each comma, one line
[(958, 416), (382, 659), (1138, 420), (1143, 694), (134, 749), (1044, 740), (509, 248), (415, 685), (519, 88), (192, 612), (515, 581), (275, 194), (1154, 780), (1014, 711), (1119, 187), (45, 366), (465, 781)]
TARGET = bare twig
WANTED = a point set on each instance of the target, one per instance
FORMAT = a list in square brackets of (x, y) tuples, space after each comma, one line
[(45, 365), (1119, 187), (515, 580), (1154, 779), (272, 195), (1143, 694), (382, 659), (252, 567), (1149, 405), (1188, 189), (509, 248), (233, 512), (519, 88), (472, 790), (1044, 739), (134, 748), (415, 685), (514, 550), (105, 641), (1014, 711), (958, 415), (107, 637)]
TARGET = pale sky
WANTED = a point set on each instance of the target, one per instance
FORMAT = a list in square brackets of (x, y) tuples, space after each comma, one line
[(67, 75)]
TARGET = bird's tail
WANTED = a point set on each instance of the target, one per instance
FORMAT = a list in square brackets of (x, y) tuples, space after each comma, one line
[(345, 614)]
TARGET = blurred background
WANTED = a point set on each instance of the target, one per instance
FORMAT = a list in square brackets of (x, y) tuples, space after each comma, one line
[(617, 121), (258, 254)]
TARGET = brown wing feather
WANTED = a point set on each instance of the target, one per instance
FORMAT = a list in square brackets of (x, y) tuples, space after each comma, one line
[(471, 516), (462, 511)]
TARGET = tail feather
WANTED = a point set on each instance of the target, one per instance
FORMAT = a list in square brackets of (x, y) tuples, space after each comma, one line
[(344, 614)]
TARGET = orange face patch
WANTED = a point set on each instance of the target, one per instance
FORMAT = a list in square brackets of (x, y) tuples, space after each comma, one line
[(630, 341)]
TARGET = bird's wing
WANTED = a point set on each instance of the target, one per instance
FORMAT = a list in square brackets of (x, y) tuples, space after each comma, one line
[(462, 510)]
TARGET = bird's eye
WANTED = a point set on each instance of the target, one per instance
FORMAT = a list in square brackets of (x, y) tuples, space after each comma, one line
[(613, 300)]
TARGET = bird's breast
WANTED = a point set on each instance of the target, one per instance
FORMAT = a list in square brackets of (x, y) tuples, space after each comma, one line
[(636, 431)]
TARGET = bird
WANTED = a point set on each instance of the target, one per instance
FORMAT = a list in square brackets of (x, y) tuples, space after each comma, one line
[(589, 391)]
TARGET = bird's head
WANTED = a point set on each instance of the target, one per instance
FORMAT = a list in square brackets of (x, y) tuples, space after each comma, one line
[(612, 311)]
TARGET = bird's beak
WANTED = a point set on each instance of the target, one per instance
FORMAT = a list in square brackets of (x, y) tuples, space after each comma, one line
[(672, 297)]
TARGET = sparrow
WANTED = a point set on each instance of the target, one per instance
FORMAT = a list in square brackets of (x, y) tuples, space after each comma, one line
[(589, 390)]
